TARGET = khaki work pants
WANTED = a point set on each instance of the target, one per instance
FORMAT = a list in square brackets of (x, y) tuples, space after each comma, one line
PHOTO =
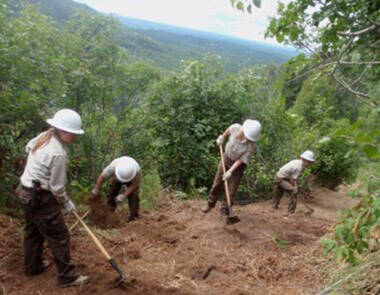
[(133, 199), (282, 186), (218, 185), (45, 223)]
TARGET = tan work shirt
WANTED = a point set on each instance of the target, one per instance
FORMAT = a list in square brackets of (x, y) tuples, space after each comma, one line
[(290, 170), (48, 165), (235, 148), (109, 171)]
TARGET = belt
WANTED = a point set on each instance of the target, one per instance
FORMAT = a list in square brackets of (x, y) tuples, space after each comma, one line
[(30, 189), (25, 188)]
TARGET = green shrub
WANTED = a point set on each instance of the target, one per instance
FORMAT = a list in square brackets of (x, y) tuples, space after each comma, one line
[(335, 162), (151, 188), (352, 232)]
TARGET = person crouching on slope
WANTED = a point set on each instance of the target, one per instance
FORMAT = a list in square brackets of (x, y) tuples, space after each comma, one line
[(239, 150), (123, 170), (42, 193), (286, 180)]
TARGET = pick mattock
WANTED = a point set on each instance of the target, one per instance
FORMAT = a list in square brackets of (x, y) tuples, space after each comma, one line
[(122, 277), (231, 219)]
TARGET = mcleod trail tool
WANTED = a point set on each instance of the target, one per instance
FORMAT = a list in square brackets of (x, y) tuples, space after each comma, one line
[(231, 219), (122, 277)]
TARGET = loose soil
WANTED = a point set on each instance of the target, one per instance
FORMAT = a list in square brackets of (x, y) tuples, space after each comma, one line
[(176, 249)]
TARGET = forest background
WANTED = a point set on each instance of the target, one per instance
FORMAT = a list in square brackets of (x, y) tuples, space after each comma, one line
[(325, 99)]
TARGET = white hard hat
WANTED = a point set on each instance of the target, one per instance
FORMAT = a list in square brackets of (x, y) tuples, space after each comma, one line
[(252, 129), (126, 169), (308, 155), (67, 120)]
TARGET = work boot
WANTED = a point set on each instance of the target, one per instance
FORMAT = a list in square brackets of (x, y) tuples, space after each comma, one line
[(132, 217), (206, 208), (44, 265), (80, 281)]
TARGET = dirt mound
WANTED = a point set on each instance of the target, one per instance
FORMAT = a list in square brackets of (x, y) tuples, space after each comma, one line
[(176, 249), (101, 215)]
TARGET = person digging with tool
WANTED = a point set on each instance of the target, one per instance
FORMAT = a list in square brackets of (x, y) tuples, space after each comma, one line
[(42, 194), (286, 180), (239, 150), (122, 171)]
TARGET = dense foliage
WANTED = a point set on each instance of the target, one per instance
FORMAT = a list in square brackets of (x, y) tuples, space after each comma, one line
[(353, 233)]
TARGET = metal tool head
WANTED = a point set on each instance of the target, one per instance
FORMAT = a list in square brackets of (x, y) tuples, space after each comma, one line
[(122, 280), (232, 220)]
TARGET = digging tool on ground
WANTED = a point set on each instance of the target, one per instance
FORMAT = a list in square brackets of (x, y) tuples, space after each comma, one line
[(77, 222), (231, 219), (122, 277)]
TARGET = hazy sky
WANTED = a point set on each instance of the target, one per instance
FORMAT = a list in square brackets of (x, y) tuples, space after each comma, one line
[(216, 16)]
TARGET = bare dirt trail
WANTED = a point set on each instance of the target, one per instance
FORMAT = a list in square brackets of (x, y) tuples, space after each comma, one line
[(176, 249)]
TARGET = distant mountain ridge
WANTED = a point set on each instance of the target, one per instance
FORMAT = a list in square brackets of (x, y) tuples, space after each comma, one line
[(167, 45), (141, 24)]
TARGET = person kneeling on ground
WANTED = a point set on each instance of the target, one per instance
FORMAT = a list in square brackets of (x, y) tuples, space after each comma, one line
[(123, 170), (239, 150), (286, 180), (42, 193)]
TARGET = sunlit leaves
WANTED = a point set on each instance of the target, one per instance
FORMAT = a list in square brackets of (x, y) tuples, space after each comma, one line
[(245, 5)]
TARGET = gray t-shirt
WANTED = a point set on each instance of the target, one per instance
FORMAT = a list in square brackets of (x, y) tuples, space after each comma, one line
[(235, 148), (290, 170)]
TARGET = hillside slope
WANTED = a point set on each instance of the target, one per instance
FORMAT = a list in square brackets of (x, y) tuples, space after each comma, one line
[(175, 249), (167, 45)]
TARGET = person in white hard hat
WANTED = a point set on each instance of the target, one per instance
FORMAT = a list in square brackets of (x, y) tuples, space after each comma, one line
[(239, 150), (42, 194), (121, 171), (286, 180)]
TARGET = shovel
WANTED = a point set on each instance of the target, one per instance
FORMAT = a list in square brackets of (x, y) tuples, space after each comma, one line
[(122, 277), (231, 219)]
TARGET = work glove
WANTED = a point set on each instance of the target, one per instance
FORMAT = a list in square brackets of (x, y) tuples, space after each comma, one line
[(220, 140), (120, 198), (95, 192), (69, 206), (227, 176)]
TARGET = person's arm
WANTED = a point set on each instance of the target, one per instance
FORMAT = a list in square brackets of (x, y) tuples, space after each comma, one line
[(95, 192), (234, 166), (57, 183), (131, 189), (222, 137)]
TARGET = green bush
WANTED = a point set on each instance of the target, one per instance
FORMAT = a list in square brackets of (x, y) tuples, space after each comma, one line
[(151, 188), (186, 112), (335, 162)]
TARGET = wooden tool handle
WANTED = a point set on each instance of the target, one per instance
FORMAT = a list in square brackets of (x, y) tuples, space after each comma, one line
[(95, 239), (77, 222), (226, 181)]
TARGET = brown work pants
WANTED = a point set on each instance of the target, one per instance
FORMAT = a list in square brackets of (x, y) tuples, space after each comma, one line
[(218, 185), (280, 187), (45, 223), (133, 199)]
